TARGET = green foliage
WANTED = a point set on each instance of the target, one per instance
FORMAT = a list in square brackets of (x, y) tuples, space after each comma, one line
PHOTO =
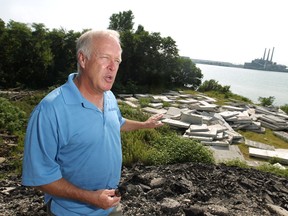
[(265, 167), (284, 108), (11, 117), (166, 104), (32, 56), (213, 85), (273, 169), (131, 113), (172, 149), (144, 102), (187, 74), (123, 21), (266, 101), (237, 162), (150, 60), (159, 146), (136, 146)]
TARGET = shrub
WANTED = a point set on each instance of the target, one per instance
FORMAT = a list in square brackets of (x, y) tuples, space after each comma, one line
[(12, 118), (237, 162), (213, 85), (273, 169), (159, 146), (144, 102), (266, 101), (175, 149), (284, 108)]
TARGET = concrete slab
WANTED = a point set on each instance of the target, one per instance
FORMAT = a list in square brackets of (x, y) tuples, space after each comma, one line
[(210, 133), (280, 154), (131, 104), (131, 99), (226, 153), (138, 96), (219, 127), (191, 118), (202, 127), (233, 108), (154, 111), (156, 105), (176, 123), (198, 137), (281, 134), (215, 143), (259, 145)]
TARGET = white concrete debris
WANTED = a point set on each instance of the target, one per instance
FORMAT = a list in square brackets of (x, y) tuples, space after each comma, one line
[(282, 134), (279, 154), (214, 125)]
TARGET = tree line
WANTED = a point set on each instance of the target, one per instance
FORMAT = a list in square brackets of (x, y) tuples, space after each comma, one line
[(32, 56)]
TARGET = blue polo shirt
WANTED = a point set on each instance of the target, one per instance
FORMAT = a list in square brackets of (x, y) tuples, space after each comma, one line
[(69, 137)]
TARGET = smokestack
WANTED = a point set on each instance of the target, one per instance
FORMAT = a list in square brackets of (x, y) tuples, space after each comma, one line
[(272, 54), (268, 55), (264, 54)]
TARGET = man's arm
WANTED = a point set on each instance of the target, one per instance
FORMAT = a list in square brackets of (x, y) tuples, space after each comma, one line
[(62, 188), (152, 122)]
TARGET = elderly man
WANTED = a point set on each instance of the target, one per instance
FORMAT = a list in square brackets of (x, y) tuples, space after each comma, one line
[(73, 146)]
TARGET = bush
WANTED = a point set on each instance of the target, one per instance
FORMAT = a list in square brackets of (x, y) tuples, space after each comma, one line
[(273, 169), (159, 146), (213, 85), (237, 163), (284, 108), (173, 149), (266, 101), (144, 101), (12, 118)]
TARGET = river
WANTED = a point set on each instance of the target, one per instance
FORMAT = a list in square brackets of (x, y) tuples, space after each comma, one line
[(250, 83)]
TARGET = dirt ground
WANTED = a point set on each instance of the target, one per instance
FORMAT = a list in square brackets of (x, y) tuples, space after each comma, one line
[(181, 189)]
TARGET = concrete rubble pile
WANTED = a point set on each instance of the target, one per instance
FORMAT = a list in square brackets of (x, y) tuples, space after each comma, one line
[(200, 118)]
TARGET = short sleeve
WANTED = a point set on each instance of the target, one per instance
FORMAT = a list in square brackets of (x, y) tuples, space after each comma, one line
[(40, 149)]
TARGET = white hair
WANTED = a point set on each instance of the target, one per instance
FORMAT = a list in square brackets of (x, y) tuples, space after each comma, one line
[(85, 41)]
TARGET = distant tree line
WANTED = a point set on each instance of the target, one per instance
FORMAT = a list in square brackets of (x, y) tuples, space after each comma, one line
[(33, 56)]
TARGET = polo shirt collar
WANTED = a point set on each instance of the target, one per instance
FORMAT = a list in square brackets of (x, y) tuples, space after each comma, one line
[(70, 92), (72, 95)]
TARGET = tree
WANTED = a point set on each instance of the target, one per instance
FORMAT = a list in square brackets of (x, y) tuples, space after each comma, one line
[(17, 48), (123, 21), (41, 56), (2, 52), (32, 56), (150, 60), (266, 101), (188, 74), (64, 51)]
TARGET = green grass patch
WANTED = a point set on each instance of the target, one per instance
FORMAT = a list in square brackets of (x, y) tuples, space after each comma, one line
[(267, 138), (273, 169)]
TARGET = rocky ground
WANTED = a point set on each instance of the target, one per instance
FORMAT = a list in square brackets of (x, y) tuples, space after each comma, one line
[(182, 189)]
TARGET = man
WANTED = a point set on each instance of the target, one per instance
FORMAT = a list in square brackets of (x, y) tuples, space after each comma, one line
[(73, 145)]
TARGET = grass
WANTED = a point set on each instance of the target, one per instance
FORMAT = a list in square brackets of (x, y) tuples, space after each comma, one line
[(267, 138)]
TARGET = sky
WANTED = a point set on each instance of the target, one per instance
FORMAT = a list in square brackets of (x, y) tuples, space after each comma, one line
[(234, 31)]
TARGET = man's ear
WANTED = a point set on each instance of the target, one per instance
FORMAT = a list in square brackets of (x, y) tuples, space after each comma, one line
[(81, 60)]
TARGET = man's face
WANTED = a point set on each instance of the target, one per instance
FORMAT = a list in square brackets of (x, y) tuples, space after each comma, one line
[(102, 66)]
